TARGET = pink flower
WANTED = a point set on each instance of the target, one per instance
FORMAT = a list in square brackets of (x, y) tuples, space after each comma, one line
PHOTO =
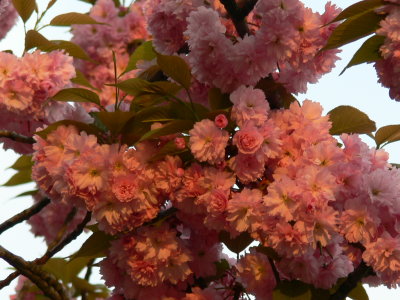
[(205, 294), (8, 16), (207, 142), (221, 121), (255, 272), (247, 167), (243, 209), (248, 139), (180, 143), (383, 256), (249, 104), (125, 187)]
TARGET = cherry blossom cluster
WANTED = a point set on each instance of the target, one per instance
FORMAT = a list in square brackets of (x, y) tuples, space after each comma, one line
[(280, 177), (26, 84), (388, 67), (122, 29), (115, 183), (286, 36), (8, 17)]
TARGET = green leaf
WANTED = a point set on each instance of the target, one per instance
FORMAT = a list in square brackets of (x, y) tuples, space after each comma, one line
[(81, 79), (348, 119), (95, 246), (164, 88), (143, 52), (218, 100), (318, 294), (156, 113), (353, 29), (23, 176), (88, 128), (77, 95), (71, 18), (22, 163), (237, 244), (358, 293), (358, 8), (169, 128), (115, 120), (27, 193), (168, 149), (51, 3), (25, 8), (34, 39), (133, 86), (75, 266), (58, 267), (387, 134), (133, 131), (96, 290), (71, 48), (176, 68), (152, 73), (368, 52), (292, 290)]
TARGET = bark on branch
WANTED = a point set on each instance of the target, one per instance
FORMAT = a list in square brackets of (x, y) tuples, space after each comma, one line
[(351, 281), (24, 215), (49, 253), (45, 281), (16, 137), (238, 14)]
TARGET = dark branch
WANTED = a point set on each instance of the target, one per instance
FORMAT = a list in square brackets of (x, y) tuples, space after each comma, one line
[(274, 270), (45, 281), (247, 7), (16, 137), (238, 14), (351, 281), (50, 252), (68, 239), (24, 215), (9, 279)]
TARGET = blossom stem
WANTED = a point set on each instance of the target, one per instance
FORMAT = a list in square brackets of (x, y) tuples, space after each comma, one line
[(24, 215), (351, 281), (16, 137)]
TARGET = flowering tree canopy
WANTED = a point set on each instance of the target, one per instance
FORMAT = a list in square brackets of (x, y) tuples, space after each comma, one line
[(169, 128)]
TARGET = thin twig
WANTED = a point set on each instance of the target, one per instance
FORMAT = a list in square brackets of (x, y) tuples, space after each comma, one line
[(24, 215), (68, 239), (274, 270), (16, 137)]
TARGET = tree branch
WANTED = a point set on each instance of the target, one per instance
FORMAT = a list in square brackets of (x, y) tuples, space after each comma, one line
[(16, 137), (274, 270), (24, 215), (50, 252), (45, 281), (351, 281), (68, 239), (238, 14)]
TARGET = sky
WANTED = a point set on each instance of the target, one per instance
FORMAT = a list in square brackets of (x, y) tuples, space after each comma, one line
[(357, 87)]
